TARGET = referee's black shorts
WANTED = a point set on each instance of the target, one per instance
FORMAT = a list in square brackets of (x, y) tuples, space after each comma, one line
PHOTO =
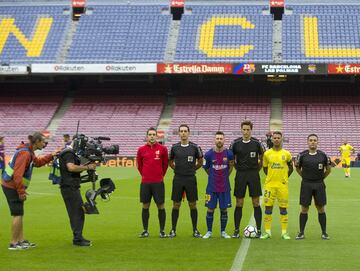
[(187, 184), (155, 190), (16, 205), (247, 178), (312, 189)]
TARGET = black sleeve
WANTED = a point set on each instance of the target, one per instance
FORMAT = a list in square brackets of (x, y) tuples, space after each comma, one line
[(231, 147), (172, 154), (198, 153), (327, 160), (68, 158), (298, 160)]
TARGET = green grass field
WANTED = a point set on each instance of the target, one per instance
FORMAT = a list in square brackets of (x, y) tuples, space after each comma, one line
[(116, 245)]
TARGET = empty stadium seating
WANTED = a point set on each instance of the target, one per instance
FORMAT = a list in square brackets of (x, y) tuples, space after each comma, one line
[(121, 33), (324, 9), (23, 115), (333, 118), (32, 34), (321, 34), (123, 118), (206, 115), (224, 33)]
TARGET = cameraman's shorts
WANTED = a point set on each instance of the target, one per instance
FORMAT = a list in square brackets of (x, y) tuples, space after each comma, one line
[(155, 190), (16, 205)]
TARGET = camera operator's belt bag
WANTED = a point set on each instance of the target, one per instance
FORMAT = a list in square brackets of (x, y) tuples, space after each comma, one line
[(8, 173)]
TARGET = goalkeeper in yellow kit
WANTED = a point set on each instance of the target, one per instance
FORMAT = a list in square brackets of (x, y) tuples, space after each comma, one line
[(345, 151), (277, 164)]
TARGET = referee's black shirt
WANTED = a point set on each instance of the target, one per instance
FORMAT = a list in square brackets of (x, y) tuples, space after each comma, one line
[(247, 153), (312, 165), (185, 157)]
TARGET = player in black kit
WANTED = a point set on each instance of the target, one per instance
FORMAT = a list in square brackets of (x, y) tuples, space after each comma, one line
[(313, 166), (185, 158), (248, 152)]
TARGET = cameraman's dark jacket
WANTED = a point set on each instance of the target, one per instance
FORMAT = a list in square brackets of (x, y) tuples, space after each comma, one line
[(69, 179)]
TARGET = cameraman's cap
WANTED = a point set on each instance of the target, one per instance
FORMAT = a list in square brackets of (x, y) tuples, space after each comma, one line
[(36, 136)]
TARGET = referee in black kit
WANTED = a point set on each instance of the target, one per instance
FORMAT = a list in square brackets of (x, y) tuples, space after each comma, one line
[(185, 158), (248, 152), (313, 166)]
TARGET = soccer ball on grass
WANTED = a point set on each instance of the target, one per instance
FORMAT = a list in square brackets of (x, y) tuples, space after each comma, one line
[(250, 232)]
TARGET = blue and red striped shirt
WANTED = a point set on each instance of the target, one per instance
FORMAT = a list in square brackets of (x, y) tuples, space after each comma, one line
[(218, 165)]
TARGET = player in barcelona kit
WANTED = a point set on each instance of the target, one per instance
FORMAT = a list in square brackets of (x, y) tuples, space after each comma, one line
[(219, 164)]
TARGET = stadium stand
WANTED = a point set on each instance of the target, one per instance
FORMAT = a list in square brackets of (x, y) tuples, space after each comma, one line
[(321, 34), (22, 113), (225, 105), (32, 34), (124, 119), (121, 33), (224, 33), (208, 115), (333, 116)]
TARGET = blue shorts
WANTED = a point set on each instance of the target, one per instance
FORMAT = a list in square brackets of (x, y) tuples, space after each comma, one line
[(2, 164), (212, 198)]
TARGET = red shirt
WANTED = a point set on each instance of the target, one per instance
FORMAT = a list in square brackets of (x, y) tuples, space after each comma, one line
[(152, 162)]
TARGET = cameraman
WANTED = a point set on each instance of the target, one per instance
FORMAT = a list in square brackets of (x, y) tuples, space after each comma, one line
[(269, 143), (70, 169)]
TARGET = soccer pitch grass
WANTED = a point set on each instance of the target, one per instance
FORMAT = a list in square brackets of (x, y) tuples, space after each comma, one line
[(116, 245)]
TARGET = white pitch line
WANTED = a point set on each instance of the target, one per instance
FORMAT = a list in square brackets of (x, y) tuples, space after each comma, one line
[(244, 247), (242, 251)]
